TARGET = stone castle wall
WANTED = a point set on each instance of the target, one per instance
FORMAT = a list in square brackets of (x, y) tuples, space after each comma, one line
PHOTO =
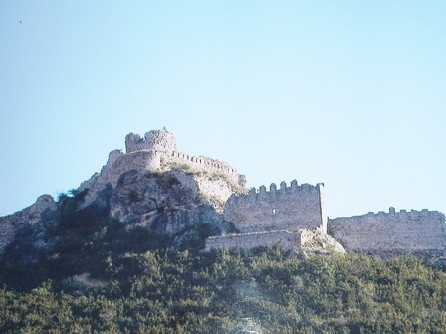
[(269, 217), (153, 161), (285, 239), (303, 240), (288, 208), (215, 168), (393, 231)]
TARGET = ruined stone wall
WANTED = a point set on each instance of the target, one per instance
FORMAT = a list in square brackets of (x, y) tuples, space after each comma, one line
[(393, 231), (155, 161), (288, 208), (285, 239)]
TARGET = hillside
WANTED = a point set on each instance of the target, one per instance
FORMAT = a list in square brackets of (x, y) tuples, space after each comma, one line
[(99, 276), (103, 279)]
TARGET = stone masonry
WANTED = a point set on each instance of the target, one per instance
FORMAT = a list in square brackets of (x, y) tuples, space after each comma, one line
[(283, 238), (392, 231), (304, 241), (159, 140), (288, 208), (159, 148), (286, 217)]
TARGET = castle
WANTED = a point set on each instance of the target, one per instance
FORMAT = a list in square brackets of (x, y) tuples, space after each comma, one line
[(157, 152), (289, 215), (159, 148)]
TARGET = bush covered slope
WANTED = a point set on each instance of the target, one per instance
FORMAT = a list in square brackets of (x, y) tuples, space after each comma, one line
[(101, 278)]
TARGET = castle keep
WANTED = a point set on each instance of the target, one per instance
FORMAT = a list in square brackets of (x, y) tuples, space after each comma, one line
[(159, 150)]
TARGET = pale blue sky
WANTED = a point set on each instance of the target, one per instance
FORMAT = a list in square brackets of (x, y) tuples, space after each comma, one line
[(349, 93)]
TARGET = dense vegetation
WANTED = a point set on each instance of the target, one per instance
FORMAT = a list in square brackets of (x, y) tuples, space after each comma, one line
[(101, 278)]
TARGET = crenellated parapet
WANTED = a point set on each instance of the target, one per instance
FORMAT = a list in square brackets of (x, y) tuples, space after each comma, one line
[(200, 162), (284, 208), (259, 194)]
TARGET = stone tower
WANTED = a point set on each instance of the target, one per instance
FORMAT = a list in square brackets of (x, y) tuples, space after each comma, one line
[(158, 140)]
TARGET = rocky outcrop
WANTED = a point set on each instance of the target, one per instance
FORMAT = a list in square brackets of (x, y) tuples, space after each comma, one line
[(317, 243), (26, 230), (166, 202), (151, 185)]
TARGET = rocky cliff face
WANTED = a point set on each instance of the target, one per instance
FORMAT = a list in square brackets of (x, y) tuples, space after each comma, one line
[(167, 202), (170, 202), (25, 231), (317, 243)]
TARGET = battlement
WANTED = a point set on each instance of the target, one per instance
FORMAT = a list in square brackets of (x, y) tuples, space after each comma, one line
[(200, 161), (254, 194), (287, 208)]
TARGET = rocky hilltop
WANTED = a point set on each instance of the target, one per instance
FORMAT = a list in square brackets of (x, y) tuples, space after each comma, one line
[(153, 185)]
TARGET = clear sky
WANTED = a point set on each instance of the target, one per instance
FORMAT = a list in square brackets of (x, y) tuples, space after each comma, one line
[(349, 93)]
